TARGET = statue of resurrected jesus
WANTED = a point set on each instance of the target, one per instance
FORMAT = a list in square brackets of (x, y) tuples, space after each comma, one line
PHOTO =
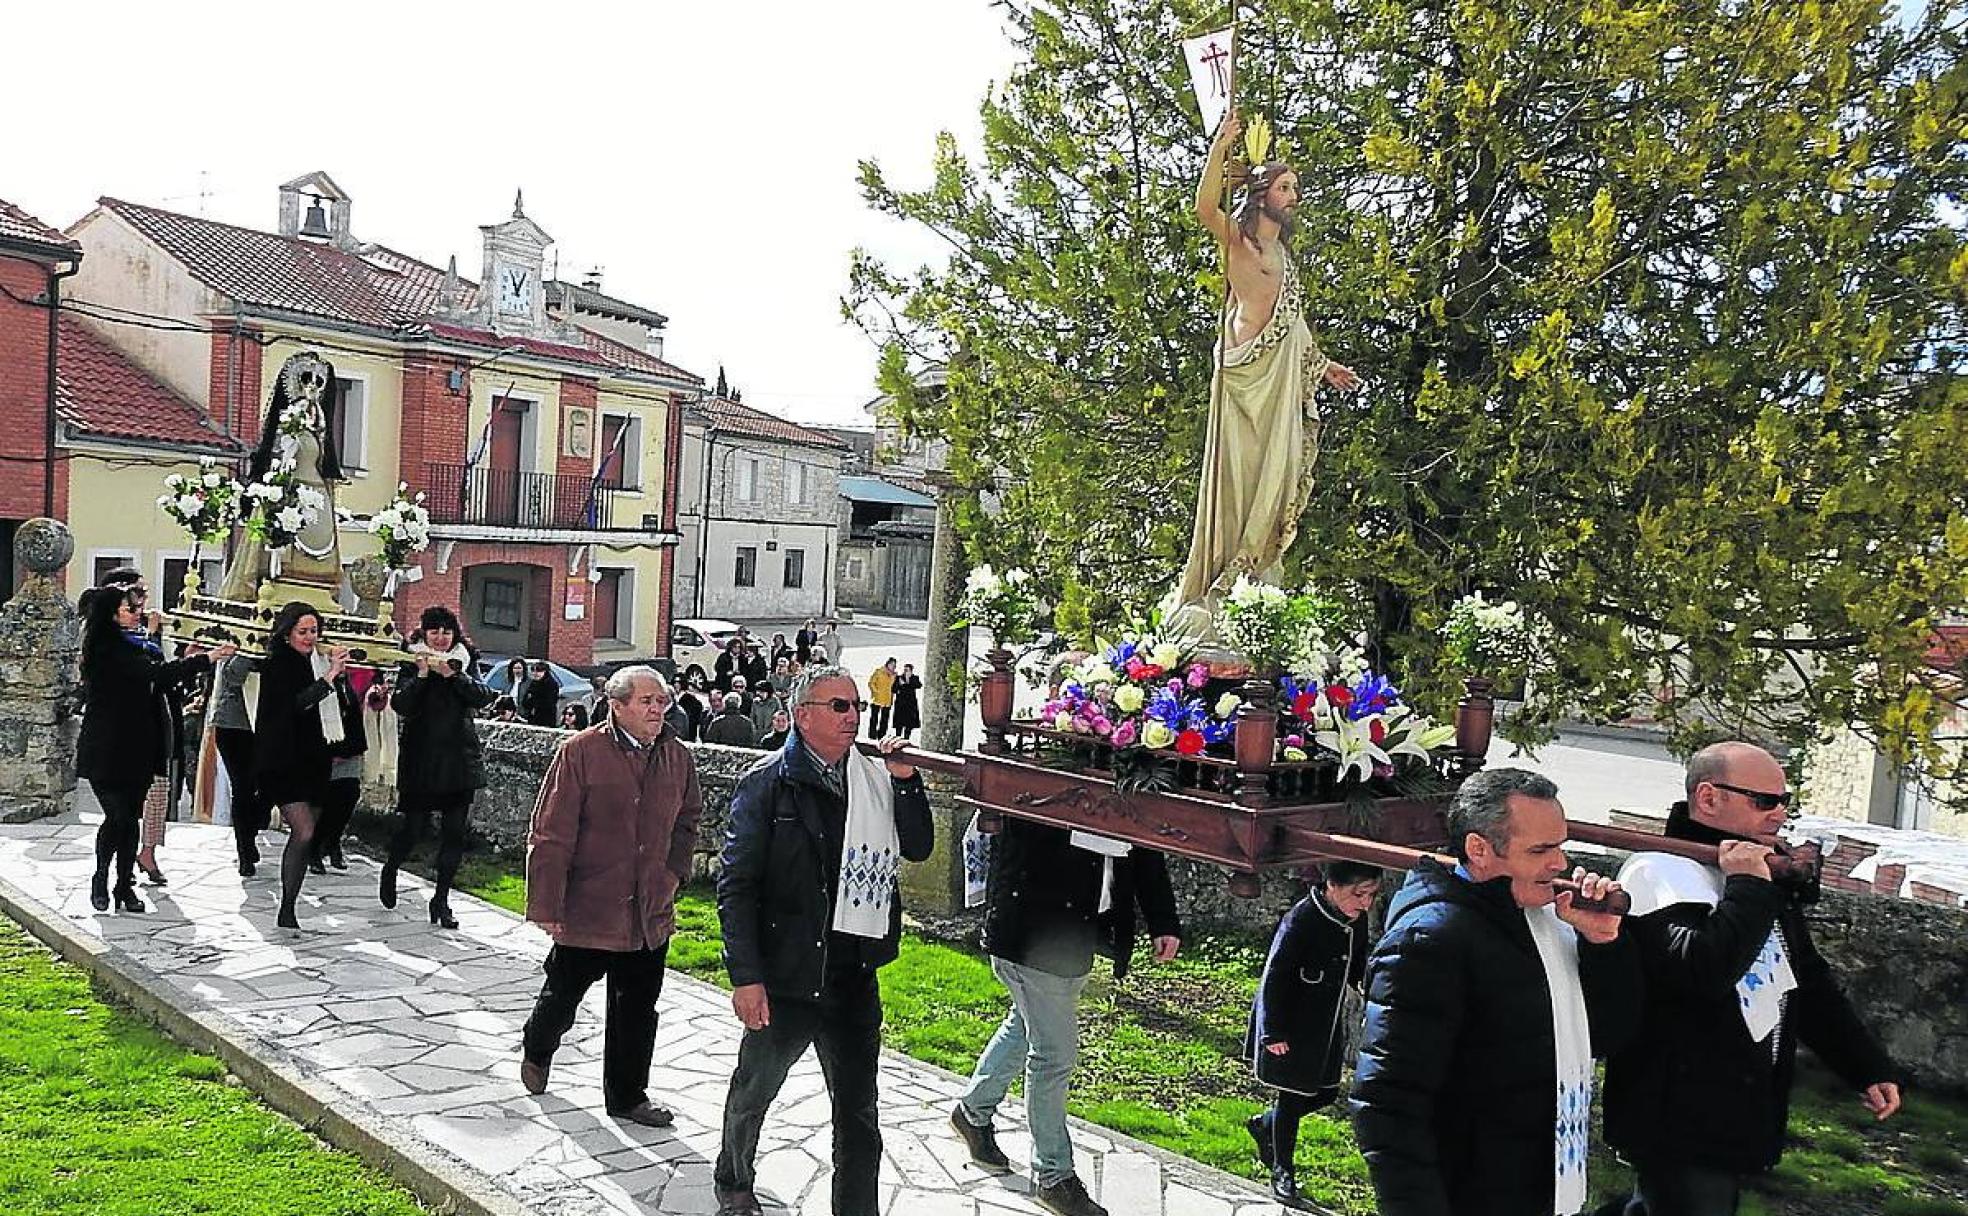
[(1263, 412)]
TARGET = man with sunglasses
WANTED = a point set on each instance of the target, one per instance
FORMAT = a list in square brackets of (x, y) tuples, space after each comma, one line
[(811, 908), (1701, 1097)]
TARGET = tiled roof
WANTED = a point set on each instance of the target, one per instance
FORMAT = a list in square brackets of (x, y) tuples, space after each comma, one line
[(587, 299), (733, 418), (1947, 650), (375, 287), (631, 359), (99, 391), (18, 226)]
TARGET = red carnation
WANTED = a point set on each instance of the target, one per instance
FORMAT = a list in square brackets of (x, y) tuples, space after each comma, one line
[(1189, 742), (1304, 703), (1340, 695)]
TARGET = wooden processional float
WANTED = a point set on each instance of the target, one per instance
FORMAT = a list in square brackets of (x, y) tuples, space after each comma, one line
[(1249, 813)]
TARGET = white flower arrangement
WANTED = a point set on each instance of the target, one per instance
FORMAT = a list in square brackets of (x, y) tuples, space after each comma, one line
[(277, 511), (205, 504), (1001, 603), (403, 526), (1487, 639), (1279, 630)]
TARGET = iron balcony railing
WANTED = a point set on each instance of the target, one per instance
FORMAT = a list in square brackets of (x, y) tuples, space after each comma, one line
[(462, 494)]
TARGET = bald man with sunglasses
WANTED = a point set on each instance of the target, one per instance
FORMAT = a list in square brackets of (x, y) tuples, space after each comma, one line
[(1700, 1098)]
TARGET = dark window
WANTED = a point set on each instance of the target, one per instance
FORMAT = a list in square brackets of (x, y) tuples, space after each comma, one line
[(209, 573), (110, 562), (746, 574), (501, 604), (796, 568), (607, 605)]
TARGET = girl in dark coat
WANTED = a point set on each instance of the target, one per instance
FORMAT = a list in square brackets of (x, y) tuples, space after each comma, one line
[(540, 703), (1297, 1036), (298, 720), (126, 728), (439, 766), (908, 701)]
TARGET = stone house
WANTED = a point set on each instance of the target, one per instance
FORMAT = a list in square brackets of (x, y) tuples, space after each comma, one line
[(760, 520), (545, 443), (1847, 777)]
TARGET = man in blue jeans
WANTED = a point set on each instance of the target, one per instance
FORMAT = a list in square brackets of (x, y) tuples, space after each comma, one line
[(1053, 899)]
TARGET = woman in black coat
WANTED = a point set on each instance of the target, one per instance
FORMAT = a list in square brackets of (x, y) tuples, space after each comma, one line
[(539, 704), (1297, 1035), (439, 766), (126, 728), (907, 716), (299, 720)]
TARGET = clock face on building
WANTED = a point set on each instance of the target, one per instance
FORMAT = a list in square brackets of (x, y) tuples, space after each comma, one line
[(515, 289)]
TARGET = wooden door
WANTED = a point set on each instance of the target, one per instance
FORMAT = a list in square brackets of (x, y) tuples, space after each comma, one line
[(502, 462)]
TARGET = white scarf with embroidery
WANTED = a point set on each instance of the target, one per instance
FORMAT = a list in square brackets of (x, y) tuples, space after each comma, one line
[(1661, 880), (1557, 947), (871, 852)]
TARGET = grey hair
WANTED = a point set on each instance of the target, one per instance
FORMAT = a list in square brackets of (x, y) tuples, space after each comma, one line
[(733, 702), (816, 672), (621, 685), (1482, 805)]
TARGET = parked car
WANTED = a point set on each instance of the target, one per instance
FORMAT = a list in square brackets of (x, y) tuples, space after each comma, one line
[(696, 641), (574, 689)]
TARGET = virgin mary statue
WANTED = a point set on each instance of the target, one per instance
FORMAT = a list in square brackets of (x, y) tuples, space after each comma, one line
[(297, 436)]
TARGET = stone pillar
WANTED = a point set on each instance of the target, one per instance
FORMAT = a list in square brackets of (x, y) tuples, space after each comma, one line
[(945, 650), (40, 652)]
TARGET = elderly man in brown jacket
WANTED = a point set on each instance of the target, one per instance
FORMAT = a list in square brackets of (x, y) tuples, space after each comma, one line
[(612, 838)]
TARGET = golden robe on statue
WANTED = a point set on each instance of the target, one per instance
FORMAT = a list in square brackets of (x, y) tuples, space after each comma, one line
[(1262, 442)]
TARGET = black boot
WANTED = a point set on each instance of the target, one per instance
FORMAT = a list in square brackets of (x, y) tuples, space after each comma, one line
[(99, 891), (386, 891), (441, 915), (1259, 1128), (1284, 1189), (126, 899)]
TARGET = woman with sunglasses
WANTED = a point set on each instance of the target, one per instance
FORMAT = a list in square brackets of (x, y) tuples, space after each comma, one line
[(298, 723), (127, 732)]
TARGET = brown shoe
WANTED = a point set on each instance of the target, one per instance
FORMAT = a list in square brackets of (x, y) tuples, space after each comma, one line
[(981, 1141), (738, 1203), (534, 1076), (646, 1113)]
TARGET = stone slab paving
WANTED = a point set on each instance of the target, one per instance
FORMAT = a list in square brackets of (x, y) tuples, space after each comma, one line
[(415, 1033)]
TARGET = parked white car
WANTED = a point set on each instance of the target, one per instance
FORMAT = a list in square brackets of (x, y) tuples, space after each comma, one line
[(696, 642)]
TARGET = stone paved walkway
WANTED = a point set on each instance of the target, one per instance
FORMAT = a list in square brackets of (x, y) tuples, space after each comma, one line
[(417, 1033)]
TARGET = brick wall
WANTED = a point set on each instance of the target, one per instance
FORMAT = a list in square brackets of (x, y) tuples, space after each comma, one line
[(23, 391), (234, 397), (432, 427), (569, 643), (578, 394)]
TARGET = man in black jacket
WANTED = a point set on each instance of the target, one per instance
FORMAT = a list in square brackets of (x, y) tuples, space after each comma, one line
[(810, 905), (1469, 1099), (1054, 898), (1701, 1097)]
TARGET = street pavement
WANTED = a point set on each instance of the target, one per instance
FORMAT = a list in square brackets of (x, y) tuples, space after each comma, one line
[(415, 1035)]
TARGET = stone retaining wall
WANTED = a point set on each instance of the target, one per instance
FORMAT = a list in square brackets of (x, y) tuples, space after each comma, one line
[(1904, 963)]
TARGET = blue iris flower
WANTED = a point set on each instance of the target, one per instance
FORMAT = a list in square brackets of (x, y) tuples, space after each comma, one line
[(1372, 694)]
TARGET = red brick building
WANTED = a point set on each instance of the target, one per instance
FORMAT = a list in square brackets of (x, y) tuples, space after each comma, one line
[(545, 443)]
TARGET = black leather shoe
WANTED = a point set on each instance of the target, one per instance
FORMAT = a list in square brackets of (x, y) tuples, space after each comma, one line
[(534, 1076), (1068, 1198), (336, 860), (646, 1113), (127, 901), (315, 866), (99, 892), (287, 919), (440, 915), (386, 889), (981, 1141), (247, 868), (738, 1203), (1260, 1130)]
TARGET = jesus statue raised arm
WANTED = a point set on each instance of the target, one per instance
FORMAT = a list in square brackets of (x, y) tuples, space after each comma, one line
[(1263, 432)]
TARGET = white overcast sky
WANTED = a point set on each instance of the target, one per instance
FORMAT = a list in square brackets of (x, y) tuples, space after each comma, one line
[(702, 153)]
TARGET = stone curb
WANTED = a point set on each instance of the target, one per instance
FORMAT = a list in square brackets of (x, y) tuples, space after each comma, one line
[(446, 1187)]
